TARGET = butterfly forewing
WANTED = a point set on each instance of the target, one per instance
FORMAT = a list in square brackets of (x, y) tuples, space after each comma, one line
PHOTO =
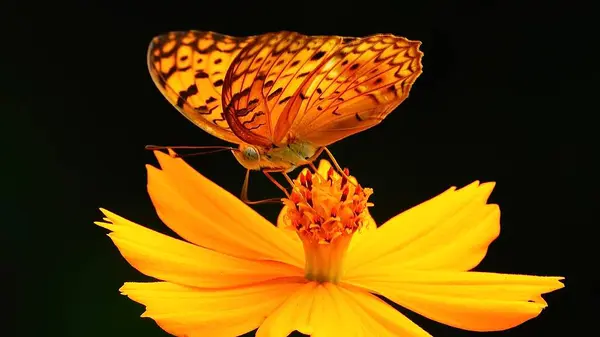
[(357, 87), (264, 79), (277, 88), (189, 68)]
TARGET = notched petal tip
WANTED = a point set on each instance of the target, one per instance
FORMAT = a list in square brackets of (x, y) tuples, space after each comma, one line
[(486, 189), (110, 216), (105, 225), (151, 167), (124, 288), (162, 157), (108, 221)]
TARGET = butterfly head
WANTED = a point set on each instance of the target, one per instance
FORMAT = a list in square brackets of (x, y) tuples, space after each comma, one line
[(248, 156)]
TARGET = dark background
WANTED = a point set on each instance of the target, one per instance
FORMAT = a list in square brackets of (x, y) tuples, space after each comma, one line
[(502, 98)]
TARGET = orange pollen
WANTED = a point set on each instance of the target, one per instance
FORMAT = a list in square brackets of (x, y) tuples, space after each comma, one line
[(321, 209)]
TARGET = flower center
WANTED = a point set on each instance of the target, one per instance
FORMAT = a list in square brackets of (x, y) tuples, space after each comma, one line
[(326, 210)]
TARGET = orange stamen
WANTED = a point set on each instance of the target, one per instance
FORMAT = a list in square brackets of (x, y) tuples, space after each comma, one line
[(326, 212)]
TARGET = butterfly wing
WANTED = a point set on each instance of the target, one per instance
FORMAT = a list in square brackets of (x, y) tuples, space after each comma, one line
[(354, 89), (265, 77), (189, 69)]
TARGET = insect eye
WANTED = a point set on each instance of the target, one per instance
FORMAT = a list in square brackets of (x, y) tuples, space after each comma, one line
[(251, 154)]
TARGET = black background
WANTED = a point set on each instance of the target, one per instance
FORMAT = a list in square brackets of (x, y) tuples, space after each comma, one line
[(502, 98)]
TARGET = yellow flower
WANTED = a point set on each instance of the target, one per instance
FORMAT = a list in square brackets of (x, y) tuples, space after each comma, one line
[(318, 271)]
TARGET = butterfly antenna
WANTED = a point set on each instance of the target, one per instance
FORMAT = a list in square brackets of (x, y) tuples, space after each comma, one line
[(204, 149)]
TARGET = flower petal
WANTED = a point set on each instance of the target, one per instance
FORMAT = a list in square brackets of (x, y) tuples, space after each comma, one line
[(173, 260), (467, 300), (451, 232), (293, 314), (324, 310), (380, 319), (187, 311), (205, 214)]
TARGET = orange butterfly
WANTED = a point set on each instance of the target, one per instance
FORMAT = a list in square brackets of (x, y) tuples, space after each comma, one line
[(283, 97)]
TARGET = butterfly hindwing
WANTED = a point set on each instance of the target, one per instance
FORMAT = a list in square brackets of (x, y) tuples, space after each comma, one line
[(358, 86), (264, 79), (189, 68)]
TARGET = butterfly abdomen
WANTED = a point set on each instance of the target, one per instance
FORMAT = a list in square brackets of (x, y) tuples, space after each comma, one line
[(287, 157)]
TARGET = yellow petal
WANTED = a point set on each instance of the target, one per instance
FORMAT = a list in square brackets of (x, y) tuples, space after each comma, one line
[(293, 314), (205, 214), (325, 310), (450, 232), (378, 318), (467, 300), (187, 311), (173, 260)]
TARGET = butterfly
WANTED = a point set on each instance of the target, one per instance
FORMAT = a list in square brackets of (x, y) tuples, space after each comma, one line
[(283, 97)]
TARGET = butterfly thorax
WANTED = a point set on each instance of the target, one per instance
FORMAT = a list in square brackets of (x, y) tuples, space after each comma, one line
[(285, 158)]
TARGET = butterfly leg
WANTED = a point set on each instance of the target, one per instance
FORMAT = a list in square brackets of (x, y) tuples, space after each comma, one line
[(289, 180), (335, 164), (268, 172), (315, 169), (244, 194)]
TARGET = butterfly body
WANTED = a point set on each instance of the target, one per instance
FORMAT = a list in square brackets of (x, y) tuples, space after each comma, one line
[(282, 97), (276, 158)]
